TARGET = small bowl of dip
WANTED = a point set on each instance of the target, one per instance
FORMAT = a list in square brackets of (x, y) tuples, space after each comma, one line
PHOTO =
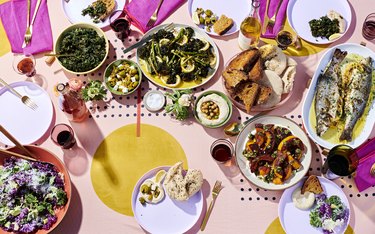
[(154, 100)]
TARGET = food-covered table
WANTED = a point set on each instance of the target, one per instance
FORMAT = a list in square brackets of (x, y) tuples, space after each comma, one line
[(122, 140)]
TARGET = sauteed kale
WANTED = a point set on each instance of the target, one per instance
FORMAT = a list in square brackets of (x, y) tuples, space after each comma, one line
[(84, 48), (324, 27), (179, 55)]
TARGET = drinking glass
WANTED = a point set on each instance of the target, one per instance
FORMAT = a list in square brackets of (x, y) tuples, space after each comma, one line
[(63, 135), (285, 39), (368, 28), (119, 24), (342, 160), (222, 150), (24, 64)]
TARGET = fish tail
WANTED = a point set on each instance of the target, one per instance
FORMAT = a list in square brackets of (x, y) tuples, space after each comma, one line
[(346, 134)]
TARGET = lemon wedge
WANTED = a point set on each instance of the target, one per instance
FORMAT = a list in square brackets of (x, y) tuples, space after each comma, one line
[(160, 176), (195, 18), (206, 45), (212, 61), (164, 79), (145, 65), (334, 36), (183, 40), (187, 65), (164, 41)]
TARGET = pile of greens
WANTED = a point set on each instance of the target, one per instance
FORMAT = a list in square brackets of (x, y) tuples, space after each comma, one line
[(84, 49), (178, 56), (181, 101), (95, 11), (324, 27)]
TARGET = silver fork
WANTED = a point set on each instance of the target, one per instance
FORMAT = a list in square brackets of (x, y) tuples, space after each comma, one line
[(25, 99), (154, 16), (29, 30), (272, 20), (27, 24), (215, 192)]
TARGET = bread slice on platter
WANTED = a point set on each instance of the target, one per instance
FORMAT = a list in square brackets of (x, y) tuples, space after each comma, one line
[(248, 94), (256, 71), (312, 185), (222, 25), (233, 78), (245, 60)]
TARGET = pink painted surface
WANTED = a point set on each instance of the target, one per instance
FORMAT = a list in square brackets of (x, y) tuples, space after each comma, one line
[(241, 207)]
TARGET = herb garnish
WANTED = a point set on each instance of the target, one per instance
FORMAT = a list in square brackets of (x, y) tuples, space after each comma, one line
[(95, 11), (324, 27), (94, 91), (87, 48)]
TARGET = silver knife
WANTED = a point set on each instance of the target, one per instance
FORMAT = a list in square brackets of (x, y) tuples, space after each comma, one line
[(139, 43), (266, 18)]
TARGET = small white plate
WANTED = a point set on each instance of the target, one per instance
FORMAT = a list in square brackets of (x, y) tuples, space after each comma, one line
[(243, 163), (73, 11), (25, 124), (302, 11), (293, 220), (309, 98), (237, 10), (167, 216)]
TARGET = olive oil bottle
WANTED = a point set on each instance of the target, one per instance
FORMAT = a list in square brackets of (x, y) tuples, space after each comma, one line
[(250, 28)]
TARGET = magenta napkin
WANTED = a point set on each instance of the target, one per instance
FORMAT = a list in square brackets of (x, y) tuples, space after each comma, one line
[(140, 11), (13, 15), (280, 17), (366, 154)]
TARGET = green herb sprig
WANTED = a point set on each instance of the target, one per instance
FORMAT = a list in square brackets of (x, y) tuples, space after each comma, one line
[(94, 91), (177, 108)]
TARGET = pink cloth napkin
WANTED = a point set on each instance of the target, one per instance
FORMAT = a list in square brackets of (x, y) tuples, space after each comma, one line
[(140, 11), (366, 154), (13, 15), (280, 17)]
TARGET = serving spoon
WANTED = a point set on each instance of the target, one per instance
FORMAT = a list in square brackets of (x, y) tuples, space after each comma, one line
[(234, 128)]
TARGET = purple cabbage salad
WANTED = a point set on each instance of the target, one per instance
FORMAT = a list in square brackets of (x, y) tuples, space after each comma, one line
[(29, 194), (329, 213)]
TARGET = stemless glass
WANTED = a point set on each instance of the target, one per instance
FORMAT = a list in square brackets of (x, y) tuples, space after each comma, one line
[(24, 64), (63, 135), (119, 24), (368, 28), (222, 150)]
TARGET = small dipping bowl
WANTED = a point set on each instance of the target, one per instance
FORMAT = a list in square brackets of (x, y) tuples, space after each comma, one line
[(154, 100)]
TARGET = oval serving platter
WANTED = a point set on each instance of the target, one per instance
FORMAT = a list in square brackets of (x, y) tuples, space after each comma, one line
[(308, 112)]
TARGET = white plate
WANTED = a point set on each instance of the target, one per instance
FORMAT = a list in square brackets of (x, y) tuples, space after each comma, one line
[(237, 10), (191, 84), (370, 121), (167, 216), (243, 163), (73, 11), (288, 212), (25, 124), (302, 11)]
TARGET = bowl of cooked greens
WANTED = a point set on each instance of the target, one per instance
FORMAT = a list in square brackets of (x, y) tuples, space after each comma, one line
[(122, 77), (182, 58), (81, 48)]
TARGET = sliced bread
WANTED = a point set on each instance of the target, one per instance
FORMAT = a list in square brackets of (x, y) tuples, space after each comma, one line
[(245, 60), (222, 25), (248, 94), (312, 185)]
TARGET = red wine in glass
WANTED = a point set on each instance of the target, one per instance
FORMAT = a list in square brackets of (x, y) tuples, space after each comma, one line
[(342, 160), (222, 150), (368, 30), (65, 139), (119, 24)]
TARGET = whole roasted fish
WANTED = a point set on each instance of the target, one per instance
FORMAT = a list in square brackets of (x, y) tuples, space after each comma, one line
[(327, 94), (357, 92)]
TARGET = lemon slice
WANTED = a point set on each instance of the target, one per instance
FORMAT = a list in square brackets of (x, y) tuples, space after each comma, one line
[(160, 176), (187, 65), (206, 45), (164, 79), (145, 65), (334, 36), (212, 61), (183, 40), (195, 18), (164, 41)]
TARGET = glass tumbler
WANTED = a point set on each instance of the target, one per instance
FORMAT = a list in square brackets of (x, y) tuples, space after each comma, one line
[(368, 28), (119, 24), (222, 150), (63, 135)]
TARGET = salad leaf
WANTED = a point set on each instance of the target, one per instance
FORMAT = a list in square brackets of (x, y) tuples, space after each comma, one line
[(94, 91)]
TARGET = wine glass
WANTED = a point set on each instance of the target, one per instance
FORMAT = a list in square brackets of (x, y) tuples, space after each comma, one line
[(24, 64), (119, 24)]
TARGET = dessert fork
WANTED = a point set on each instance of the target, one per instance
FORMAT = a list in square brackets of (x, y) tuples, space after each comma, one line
[(29, 30), (154, 16), (215, 192), (25, 99)]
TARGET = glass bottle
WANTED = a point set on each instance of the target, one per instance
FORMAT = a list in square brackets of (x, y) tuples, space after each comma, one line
[(71, 103), (250, 28)]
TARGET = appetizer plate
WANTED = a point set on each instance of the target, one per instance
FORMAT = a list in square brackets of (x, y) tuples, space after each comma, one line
[(307, 109), (288, 212), (167, 216), (47, 156), (25, 124), (199, 33), (237, 11), (302, 11), (73, 11), (243, 163)]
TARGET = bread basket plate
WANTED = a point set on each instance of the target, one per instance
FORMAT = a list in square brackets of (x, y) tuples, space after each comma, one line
[(243, 162), (238, 103), (73, 11), (308, 115), (237, 11), (184, 84), (288, 212), (300, 12), (167, 216)]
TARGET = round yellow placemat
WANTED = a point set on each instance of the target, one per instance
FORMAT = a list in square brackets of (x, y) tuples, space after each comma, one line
[(5, 46), (275, 227), (122, 158), (307, 48)]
